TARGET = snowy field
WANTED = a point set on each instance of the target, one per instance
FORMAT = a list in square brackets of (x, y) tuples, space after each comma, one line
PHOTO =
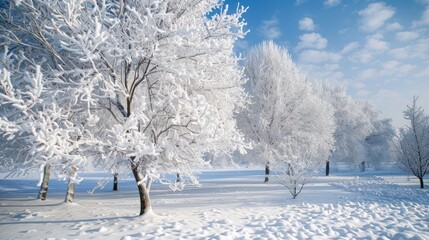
[(230, 204)]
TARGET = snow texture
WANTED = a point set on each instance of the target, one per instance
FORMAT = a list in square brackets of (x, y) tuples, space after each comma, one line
[(230, 204)]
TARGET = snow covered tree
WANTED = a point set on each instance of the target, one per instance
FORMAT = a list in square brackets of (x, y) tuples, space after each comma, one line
[(161, 75), (174, 95), (298, 169), (379, 143), (37, 115), (353, 125), (286, 108), (412, 148), (44, 89)]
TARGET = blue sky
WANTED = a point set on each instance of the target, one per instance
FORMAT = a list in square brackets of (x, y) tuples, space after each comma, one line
[(379, 49)]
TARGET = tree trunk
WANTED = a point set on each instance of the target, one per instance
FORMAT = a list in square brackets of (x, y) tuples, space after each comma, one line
[(71, 186), (115, 182), (422, 185), (327, 168), (44, 186), (145, 205), (149, 184), (267, 172), (363, 166)]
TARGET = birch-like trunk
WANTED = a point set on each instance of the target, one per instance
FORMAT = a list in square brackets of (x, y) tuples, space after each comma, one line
[(71, 186), (43, 192), (422, 185), (149, 184), (145, 205)]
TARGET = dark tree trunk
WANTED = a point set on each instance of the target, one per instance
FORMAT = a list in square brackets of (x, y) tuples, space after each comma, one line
[(422, 185), (327, 168), (145, 205), (115, 182), (71, 186), (267, 172), (44, 187), (178, 179)]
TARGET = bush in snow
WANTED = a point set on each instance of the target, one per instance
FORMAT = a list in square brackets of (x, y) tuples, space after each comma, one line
[(297, 167)]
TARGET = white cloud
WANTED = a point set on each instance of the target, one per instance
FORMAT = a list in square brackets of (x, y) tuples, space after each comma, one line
[(362, 93), (306, 24), (269, 28), (376, 44), (423, 1), (387, 93), (329, 73), (407, 36), (424, 19), (393, 71), (394, 26), (363, 56), (423, 73), (359, 85), (312, 40), (336, 75), (315, 56), (331, 67), (299, 2), (366, 74), (418, 50), (350, 47), (331, 3), (406, 68), (375, 16), (390, 65), (344, 31), (399, 53)]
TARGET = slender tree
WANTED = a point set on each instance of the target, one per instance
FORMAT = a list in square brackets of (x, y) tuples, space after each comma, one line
[(412, 147)]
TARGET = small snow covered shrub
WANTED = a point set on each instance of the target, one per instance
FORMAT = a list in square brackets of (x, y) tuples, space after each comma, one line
[(296, 168)]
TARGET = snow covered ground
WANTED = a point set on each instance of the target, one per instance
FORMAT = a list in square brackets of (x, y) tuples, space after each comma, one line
[(230, 204)]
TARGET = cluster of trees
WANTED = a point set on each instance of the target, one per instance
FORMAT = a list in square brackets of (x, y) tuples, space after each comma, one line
[(291, 124), (297, 125), (154, 84), (361, 136)]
